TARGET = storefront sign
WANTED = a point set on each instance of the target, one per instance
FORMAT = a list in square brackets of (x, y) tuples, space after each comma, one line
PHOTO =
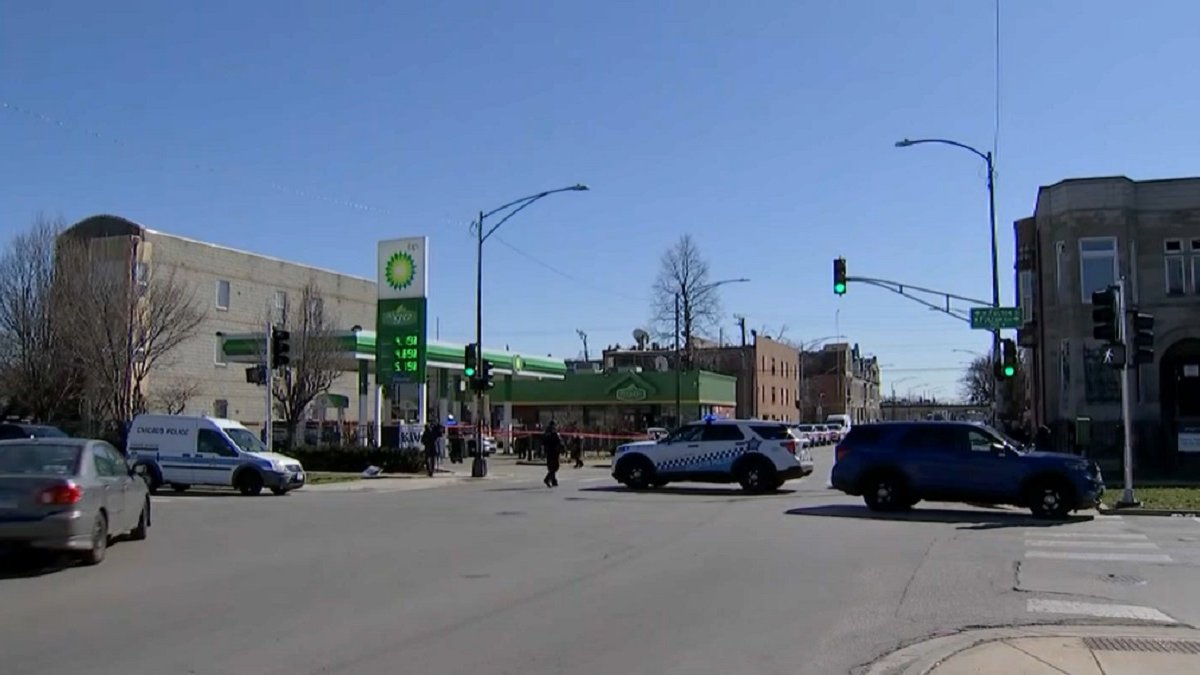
[(631, 393)]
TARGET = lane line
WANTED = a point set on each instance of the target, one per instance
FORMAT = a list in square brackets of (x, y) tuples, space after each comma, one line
[(1084, 535), (1046, 606), (1106, 557)]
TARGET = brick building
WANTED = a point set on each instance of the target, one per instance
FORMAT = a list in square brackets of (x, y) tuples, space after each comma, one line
[(767, 372), (1084, 235), (839, 380)]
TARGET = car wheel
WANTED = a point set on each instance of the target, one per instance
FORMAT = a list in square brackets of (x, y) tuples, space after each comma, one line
[(279, 491), (637, 473), (757, 475), (143, 524), (95, 555), (250, 483), (1050, 500), (885, 492), (179, 487)]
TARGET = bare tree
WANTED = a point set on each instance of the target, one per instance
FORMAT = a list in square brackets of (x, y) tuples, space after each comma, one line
[(314, 356), (684, 273), (120, 325), (172, 398), (34, 366), (976, 382)]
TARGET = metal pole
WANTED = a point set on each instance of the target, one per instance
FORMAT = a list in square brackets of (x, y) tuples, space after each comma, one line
[(991, 186), (1127, 497), (479, 464), (269, 381), (678, 365)]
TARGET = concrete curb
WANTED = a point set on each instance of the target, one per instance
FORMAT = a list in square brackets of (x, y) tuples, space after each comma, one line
[(921, 658), (1180, 513)]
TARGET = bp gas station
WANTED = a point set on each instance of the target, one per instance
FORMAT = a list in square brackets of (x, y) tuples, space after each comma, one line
[(402, 376)]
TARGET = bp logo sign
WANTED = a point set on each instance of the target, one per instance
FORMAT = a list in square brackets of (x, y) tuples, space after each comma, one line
[(401, 317), (400, 270)]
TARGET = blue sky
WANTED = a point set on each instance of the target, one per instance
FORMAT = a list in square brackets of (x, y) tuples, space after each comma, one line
[(310, 130)]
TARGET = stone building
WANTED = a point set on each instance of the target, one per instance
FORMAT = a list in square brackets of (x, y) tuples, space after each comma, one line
[(1084, 235)]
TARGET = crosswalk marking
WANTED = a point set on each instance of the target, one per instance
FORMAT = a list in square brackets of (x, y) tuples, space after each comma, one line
[(1047, 606), (1106, 557), (1086, 543), (1084, 535)]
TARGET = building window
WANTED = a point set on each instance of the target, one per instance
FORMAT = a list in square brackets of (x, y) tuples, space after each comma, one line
[(221, 408), (772, 395), (1196, 273), (1060, 276), (1175, 267), (218, 355), (222, 294), (1097, 265), (141, 273), (280, 306), (1025, 281)]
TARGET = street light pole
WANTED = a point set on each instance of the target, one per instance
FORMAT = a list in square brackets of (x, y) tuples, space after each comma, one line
[(991, 187), (479, 464)]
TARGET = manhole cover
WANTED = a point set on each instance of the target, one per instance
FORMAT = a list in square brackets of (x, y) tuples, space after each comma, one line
[(1124, 579), (1124, 644)]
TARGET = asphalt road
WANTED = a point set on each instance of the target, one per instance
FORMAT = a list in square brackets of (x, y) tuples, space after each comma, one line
[(506, 576)]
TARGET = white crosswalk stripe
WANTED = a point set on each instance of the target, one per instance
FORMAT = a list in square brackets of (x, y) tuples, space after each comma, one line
[(1100, 556), (1038, 534), (1048, 606), (1087, 543)]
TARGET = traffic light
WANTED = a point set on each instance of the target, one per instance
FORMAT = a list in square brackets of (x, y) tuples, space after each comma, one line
[(839, 276), (280, 348), (485, 376), (470, 361), (1008, 359), (1105, 316), (1143, 338)]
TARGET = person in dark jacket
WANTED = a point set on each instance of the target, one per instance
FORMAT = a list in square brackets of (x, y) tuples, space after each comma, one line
[(429, 439), (577, 451), (552, 444)]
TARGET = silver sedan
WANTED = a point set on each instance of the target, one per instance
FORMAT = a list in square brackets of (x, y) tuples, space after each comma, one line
[(68, 494)]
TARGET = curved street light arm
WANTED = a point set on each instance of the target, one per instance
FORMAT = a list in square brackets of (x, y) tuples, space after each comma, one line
[(945, 141)]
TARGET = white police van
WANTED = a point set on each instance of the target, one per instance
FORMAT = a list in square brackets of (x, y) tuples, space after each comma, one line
[(758, 454), (182, 451)]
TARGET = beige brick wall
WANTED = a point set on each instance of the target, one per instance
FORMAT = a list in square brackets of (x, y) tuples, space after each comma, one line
[(253, 282)]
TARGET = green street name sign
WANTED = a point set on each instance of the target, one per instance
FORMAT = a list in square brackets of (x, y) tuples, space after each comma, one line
[(996, 318)]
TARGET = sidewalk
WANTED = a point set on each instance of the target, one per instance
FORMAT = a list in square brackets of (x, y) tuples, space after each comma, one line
[(1051, 650)]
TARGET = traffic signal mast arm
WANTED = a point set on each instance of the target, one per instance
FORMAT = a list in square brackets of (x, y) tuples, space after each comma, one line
[(904, 289)]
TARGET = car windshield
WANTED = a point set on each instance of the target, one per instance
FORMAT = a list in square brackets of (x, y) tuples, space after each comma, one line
[(46, 432), (36, 459), (245, 440)]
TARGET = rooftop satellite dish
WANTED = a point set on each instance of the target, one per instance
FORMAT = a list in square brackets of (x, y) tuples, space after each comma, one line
[(641, 337), (660, 364)]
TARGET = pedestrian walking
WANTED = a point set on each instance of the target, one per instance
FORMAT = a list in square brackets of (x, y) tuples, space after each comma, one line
[(577, 451), (429, 439), (552, 444)]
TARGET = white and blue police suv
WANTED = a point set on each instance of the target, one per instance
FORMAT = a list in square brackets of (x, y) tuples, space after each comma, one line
[(758, 454)]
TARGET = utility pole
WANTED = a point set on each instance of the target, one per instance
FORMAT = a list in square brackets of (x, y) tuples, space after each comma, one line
[(583, 336), (741, 321), (678, 366), (478, 464)]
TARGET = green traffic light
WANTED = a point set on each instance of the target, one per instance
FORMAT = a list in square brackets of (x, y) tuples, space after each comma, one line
[(839, 289), (469, 371), (1009, 371)]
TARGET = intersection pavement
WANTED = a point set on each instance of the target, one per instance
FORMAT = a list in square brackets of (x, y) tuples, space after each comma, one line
[(503, 575)]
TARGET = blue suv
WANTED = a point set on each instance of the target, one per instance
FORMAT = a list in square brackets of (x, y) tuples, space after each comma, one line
[(894, 465)]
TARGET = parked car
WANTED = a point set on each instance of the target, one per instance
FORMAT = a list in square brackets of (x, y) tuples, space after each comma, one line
[(69, 494), (757, 454), (808, 432), (182, 451), (894, 465), (11, 430)]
